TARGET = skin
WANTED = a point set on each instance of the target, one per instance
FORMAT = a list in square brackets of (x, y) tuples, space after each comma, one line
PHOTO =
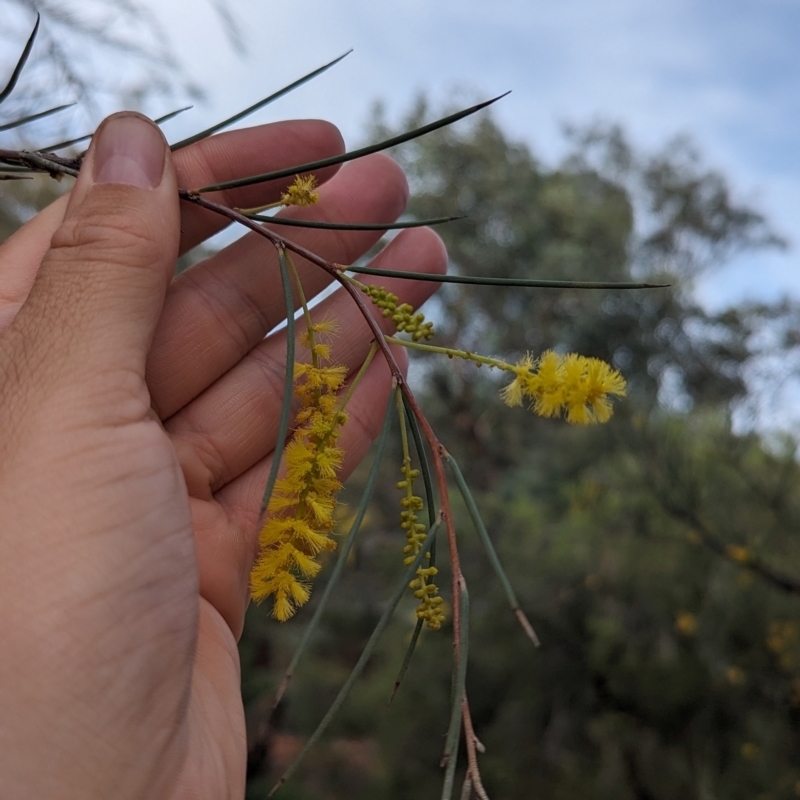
[(138, 417)]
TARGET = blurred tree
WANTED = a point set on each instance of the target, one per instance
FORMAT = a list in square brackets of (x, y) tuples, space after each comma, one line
[(606, 214), (69, 63), (76, 41), (657, 556)]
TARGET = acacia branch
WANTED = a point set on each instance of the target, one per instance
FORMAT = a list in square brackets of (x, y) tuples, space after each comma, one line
[(57, 166), (437, 449), (770, 576)]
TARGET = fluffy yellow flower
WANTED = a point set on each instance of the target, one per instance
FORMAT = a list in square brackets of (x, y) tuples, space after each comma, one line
[(301, 192), (686, 623), (577, 386), (423, 586), (738, 553)]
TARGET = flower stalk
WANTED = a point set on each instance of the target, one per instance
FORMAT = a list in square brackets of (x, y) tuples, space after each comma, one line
[(553, 384)]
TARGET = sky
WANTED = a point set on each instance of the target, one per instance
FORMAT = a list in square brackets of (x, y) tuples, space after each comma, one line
[(725, 73)]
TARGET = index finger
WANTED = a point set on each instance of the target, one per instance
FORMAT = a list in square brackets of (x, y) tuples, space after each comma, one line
[(249, 152), (219, 158)]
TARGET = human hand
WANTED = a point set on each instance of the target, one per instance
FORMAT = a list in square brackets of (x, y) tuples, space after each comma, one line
[(139, 416)]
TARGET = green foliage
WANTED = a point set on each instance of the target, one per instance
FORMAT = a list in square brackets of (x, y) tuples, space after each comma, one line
[(655, 557)]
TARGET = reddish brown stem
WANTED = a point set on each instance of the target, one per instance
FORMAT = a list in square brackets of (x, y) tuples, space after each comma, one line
[(437, 450), (473, 745)]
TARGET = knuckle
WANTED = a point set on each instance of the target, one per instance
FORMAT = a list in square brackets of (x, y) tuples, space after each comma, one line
[(105, 236), (110, 239), (234, 310)]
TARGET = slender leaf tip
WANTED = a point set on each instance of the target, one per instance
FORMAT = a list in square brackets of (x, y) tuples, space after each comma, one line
[(351, 155), (345, 226), (33, 117), (12, 81), (258, 105), (172, 115), (492, 281)]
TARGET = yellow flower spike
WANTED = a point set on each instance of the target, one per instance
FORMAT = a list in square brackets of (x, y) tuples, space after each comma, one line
[(403, 316), (301, 192), (422, 586), (301, 509)]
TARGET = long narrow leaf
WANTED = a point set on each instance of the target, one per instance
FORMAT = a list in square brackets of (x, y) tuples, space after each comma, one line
[(344, 554), (352, 155), (86, 136), (450, 758), (172, 115), (424, 466), (490, 551), (31, 117), (260, 104), (412, 646), (356, 226), (288, 384), (530, 282), (12, 81), (51, 148), (363, 659)]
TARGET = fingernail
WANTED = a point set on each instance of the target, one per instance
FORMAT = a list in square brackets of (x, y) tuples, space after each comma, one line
[(129, 150)]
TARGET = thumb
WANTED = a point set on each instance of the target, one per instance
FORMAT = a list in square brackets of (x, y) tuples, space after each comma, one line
[(99, 291)]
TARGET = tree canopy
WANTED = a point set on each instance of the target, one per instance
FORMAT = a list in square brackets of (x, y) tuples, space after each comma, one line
[(656, 556)]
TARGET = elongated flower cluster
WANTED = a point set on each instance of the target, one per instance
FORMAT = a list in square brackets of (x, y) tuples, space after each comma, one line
[(300, 519), (425, 590), (402, 314), (576, 386)]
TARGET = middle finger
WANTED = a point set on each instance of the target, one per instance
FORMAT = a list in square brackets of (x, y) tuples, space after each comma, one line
[(216, 312), (234, 424)]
